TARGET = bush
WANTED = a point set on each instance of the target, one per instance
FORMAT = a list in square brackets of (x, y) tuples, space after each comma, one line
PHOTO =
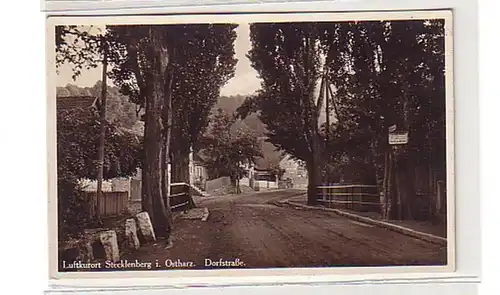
[(74, 213)]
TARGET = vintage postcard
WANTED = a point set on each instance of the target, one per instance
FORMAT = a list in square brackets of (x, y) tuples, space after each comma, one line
[(314, 143)]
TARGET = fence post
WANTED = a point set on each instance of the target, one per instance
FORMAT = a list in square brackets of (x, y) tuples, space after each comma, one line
[(348, 193), (360, 197), (330, 193), (189, 197)]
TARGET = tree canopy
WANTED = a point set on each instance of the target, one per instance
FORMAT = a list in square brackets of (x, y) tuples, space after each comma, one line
[(385, 74), (78, 142), (287, 57), (161, 68), (378, 74), (80, 46), (226, 152), (204, 64)]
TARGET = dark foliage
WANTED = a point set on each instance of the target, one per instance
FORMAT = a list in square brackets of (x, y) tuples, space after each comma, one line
[(77, 147), (226, 152)]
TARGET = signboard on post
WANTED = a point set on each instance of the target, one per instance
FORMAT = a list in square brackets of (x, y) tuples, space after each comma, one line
[(398, 138)]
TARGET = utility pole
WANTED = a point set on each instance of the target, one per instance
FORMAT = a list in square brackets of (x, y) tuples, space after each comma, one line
[(327, 104), (102, 134)]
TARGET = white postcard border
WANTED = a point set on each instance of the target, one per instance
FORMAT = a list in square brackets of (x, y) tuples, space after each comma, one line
[(262, 276)]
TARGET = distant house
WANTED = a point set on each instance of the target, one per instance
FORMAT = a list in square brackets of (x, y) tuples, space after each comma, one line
[(264, 179), (197, 170), (64, 103), (295, 172), (260, 175)]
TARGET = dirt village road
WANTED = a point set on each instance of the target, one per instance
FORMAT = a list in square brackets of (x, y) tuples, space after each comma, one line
[(249, 231)]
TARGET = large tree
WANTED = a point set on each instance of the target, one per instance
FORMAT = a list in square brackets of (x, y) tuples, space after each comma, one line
[(288, 58), (167, 68), (204, 63), (378, 74), (142, 55), (385, 74), (226, 151)]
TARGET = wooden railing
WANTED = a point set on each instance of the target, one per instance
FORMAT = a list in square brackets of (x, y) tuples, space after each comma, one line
[(180, 196), (356, 197), (113, 203)]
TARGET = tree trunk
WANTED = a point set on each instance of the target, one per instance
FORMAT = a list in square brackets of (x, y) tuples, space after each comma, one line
[(403, 166), (311, 118), (313, 173), (391, 189), (167, 120), (327, 107), (406, 188), (154, 147), (379, 159), (399, 193), (400, 196), (152, 196), (387, 180), (384, 202)]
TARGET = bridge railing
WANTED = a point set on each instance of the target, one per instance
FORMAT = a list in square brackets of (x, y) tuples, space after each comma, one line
[(180, 196), (356, 197)]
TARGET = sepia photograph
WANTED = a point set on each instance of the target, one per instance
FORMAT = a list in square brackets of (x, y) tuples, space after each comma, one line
[(251, 141)]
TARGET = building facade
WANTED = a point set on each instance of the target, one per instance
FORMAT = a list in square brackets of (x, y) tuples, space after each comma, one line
[(295, 172)]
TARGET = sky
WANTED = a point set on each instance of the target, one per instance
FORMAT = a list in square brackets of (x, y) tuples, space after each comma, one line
[(245, 80)]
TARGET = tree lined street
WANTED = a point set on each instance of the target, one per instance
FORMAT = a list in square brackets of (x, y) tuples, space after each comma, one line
[(358, 106)]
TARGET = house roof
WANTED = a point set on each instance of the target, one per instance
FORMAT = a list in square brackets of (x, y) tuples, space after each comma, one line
[(76, 102)]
